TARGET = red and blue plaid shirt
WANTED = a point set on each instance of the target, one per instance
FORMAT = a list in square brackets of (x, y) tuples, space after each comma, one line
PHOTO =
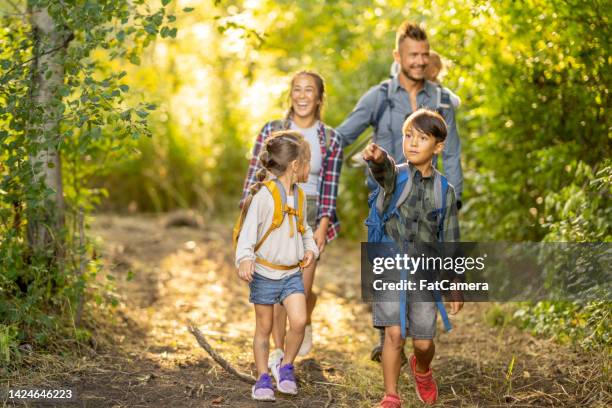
[(329, 176)]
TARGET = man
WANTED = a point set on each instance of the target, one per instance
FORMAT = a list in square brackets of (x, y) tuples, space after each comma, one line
[(386, 106)]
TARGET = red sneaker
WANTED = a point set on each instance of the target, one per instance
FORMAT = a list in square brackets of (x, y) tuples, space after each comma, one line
[(390, 401), (426, 387)]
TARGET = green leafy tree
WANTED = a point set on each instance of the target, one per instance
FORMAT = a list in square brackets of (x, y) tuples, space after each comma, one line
[(60, 115)]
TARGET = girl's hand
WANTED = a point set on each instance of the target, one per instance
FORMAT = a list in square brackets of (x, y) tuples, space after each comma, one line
[(320, 237), (308, 259), (245, 270), (373, 153)]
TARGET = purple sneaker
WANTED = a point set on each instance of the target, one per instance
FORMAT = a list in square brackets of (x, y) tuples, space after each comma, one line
[(263, 390), (285, 379)]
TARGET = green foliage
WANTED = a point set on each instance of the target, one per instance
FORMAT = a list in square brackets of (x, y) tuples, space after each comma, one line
[(93, 122), (533, 76), (584, 324), (9, 345)]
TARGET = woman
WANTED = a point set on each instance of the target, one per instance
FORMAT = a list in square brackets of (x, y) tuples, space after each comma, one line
[(306, 99)]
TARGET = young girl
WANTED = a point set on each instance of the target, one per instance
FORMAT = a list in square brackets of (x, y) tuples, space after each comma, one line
[(271, 260), (306, 98)]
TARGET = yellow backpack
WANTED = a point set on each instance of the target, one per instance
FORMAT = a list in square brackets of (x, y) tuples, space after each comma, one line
[(280, 209)]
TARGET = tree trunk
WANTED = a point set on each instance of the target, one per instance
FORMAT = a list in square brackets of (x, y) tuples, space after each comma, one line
[(50, 43)]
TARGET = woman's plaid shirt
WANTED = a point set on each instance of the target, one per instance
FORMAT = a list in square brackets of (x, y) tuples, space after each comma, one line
[(331, 151)]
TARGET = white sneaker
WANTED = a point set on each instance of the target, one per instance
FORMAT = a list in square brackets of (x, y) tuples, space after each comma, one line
[(307, 342), (275, 358)]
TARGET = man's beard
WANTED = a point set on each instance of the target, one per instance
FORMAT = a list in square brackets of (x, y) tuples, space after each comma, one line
[(407, 75)]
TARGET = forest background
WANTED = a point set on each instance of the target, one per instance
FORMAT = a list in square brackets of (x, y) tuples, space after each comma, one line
[(149, 106)]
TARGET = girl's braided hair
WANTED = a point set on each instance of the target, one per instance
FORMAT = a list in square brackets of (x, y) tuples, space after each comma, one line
[(279, 150)]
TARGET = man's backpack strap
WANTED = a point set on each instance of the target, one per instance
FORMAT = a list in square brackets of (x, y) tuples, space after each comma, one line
[(384, 103), (443, 99)]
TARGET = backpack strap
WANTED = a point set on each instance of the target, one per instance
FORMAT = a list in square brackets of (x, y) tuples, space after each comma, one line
[(280, 124), (280, 209), (300, 197), (440, 191), (443, 99), (385, 102), (280, 199), (327, 135), (403, 185), (238, 226)]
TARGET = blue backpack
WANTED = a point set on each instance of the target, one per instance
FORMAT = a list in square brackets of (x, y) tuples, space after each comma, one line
[(377, 219)]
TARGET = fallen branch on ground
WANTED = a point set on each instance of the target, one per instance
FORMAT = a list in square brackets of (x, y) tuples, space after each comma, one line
[(330, 399), (215, 356)]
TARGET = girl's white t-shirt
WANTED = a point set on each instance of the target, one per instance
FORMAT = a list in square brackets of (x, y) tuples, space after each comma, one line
[(311, 134), (279, 248)]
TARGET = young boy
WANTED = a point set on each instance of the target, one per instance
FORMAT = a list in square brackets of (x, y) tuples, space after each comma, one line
[(424, 134)]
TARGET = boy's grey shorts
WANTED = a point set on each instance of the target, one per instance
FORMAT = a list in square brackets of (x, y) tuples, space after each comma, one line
[(420, 321)]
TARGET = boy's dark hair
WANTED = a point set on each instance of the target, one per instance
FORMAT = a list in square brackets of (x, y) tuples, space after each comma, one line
[(428, 122), (410, 30)]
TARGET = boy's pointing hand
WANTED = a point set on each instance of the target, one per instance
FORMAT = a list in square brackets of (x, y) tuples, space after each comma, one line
[(374, 153)]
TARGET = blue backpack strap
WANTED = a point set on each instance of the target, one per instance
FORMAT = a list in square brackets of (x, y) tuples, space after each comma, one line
[(403, 304), (385, 102), (403, 184), (442, 209), (440, 191), (399, 193)]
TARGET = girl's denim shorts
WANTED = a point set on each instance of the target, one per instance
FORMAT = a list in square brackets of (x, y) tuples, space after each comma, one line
[(265, 291)]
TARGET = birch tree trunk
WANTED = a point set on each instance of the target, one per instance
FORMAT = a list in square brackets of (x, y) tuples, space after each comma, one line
[(50, 43)]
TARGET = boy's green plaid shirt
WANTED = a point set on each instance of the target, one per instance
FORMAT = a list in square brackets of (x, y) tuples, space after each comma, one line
[(418, 222)]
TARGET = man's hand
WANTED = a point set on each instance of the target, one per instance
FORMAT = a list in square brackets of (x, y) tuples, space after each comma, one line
[(456, 306), (245, 270), (308, 259), (456, 302), (374, 153)]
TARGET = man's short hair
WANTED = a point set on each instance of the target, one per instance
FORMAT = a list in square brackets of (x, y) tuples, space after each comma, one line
[(410, 30), (428, 122)]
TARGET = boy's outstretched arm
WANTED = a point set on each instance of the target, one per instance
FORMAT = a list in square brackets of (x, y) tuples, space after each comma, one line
[(382, 167)]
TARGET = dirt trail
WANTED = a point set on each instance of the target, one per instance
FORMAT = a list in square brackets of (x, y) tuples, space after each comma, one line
[(186, 273)]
